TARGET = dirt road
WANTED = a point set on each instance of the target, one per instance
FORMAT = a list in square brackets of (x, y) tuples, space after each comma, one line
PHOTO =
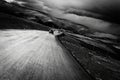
[(36, 55)]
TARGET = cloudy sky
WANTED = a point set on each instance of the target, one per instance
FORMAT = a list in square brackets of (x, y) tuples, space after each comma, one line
[(58, 8), (54, 7)]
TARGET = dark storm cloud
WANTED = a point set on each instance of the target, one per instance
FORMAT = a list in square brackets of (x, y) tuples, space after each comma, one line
[(110, 8), (59, 8), (98, 6)]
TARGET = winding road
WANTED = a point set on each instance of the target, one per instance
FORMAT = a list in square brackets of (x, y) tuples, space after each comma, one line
[(36, 55)]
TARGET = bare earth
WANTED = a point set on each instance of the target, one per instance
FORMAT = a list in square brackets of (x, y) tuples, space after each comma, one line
[(36, 55)]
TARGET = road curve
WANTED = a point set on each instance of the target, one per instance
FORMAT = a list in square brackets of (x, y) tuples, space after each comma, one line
[(36, 55)]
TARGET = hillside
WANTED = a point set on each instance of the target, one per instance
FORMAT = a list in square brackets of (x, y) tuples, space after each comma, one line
[(26, 32)]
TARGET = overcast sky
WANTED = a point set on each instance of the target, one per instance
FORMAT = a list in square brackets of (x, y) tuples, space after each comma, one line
[(101, 6), (54, 7), (57, 8)]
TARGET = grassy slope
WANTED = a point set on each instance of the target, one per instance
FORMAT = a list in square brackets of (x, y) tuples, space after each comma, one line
[(12, 22), (94, 56)]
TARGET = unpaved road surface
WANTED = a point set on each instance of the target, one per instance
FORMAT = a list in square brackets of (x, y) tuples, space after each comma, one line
[(36, 55)]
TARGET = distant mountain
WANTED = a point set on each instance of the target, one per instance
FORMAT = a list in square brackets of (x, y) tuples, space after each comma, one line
[(40, 17), (9, 8), (11, 22)]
